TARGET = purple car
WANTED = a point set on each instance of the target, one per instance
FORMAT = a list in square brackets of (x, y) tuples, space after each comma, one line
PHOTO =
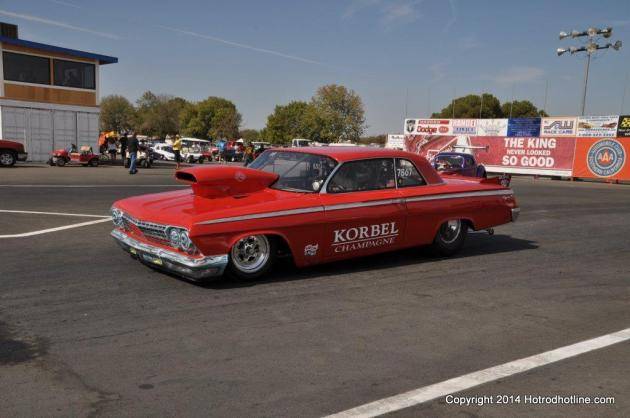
[(458, 163)]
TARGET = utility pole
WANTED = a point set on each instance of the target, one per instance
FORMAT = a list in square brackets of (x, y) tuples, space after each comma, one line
[(453, 101), (406, 100), (623, 97), (481, 107), (590, 48), (546, 91), (429, 103), (512, 101)]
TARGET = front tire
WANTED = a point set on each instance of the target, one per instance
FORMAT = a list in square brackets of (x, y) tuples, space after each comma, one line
[(61, 162), (7, 159), (450, 237), (252, 256)]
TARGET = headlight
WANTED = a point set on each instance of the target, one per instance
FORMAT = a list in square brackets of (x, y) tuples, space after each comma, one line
[(174, 237), (117, 217), (178, 238), (185, 242)]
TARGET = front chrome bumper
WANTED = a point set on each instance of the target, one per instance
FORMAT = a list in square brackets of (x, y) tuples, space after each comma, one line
[(515, 213), (194, 268)]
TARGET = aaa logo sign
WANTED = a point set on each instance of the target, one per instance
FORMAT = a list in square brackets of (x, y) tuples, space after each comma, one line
[(606, 158)]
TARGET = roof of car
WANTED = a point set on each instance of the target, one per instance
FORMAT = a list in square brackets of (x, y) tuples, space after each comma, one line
[(349, 153)]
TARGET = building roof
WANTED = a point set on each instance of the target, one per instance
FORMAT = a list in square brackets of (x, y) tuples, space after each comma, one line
[(102, 59)]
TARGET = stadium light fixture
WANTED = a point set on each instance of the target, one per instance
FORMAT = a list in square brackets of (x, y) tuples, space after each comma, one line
[(590, 48)]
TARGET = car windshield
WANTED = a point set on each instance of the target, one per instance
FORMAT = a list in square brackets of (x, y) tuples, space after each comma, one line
[(299, 172), (448, 161)]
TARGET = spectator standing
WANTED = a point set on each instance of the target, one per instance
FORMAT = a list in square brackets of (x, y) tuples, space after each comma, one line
[(177, 150), (112, 148), (132, 146), (221, 146), (249, 154), (123, 148)]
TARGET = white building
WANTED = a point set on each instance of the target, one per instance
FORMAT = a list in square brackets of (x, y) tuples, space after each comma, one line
[(49, 95)]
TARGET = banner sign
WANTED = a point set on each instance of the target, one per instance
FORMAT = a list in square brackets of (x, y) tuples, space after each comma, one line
[(602, 158), (524, 127), (492, 127), (561, 126), (623, 130), (395, 141), (428, 126), (597, 126), (464, 126), (500, 154)]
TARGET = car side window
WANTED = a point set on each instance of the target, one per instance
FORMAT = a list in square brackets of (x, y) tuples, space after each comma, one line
[(362, 175), (407, 174)]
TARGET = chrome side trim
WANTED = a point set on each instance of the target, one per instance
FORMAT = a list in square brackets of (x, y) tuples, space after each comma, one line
[(459, 195), (264, 215), (357, 205), (363, 204)]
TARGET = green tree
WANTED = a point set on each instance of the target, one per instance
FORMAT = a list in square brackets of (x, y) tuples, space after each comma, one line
[(214, 117), (521, 109), (249, 134), (469, 107), (117, 114), (287, 122), (339, 112), (374, 139), (159, 115)]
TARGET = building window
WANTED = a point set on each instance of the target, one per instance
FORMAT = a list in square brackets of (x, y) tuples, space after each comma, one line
[(26, 68), (74, 74)]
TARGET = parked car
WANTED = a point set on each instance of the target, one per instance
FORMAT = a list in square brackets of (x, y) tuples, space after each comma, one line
[(193, 150), (85, 157), (144, 157), (164, 151), (316, 204), (459, 163), (10, 152)]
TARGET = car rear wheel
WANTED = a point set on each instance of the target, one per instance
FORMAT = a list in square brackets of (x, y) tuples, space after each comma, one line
[(94, 162), (251, 257), (7, 158), (450, 237)]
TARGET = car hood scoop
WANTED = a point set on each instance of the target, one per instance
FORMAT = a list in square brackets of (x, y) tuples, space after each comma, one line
[(222, 181)]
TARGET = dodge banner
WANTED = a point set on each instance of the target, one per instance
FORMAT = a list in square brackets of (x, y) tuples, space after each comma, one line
[(500, 154)]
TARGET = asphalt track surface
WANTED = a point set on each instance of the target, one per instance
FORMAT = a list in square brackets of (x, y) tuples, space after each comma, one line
[(86, 330)]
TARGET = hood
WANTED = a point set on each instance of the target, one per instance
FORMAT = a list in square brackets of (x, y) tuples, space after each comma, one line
[(222, 181)]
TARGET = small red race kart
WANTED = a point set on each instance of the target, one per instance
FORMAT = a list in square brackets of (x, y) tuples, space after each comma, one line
[(85, 157)]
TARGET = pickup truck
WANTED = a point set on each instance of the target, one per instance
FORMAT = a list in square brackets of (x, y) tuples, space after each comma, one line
[(10, 152)]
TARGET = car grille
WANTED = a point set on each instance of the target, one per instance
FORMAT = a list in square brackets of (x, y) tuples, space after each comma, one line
[(152, 231)]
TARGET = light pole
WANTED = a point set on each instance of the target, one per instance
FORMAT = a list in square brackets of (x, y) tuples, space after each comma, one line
[(590, 48)]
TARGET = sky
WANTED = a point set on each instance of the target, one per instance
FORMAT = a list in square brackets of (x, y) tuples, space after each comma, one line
[(403, 57)]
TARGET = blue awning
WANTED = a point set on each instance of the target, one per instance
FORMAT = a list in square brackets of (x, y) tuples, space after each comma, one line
[(102, 59)]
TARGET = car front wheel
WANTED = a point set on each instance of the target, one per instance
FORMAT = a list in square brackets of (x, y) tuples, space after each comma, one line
[(7, 158), (450, 237), (251, 257)]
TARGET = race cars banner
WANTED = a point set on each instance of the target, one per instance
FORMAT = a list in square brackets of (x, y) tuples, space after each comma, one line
[(597, 126), (568, 146)]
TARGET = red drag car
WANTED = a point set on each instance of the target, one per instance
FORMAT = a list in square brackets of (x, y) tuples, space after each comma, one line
[(316, 204)]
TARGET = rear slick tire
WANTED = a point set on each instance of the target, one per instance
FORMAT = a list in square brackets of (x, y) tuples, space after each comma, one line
[(450, 238)]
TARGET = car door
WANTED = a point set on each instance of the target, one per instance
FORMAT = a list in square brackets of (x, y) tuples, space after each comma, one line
[(422, 212), (363, 210)]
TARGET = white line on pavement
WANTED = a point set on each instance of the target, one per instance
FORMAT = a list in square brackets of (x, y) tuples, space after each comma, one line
[(31, 212), (59, 228), (458, 384), (89, 186)]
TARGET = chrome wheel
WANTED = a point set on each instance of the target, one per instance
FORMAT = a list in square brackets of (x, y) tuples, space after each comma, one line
[(250, 254), (7, 159), (449, 231)]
